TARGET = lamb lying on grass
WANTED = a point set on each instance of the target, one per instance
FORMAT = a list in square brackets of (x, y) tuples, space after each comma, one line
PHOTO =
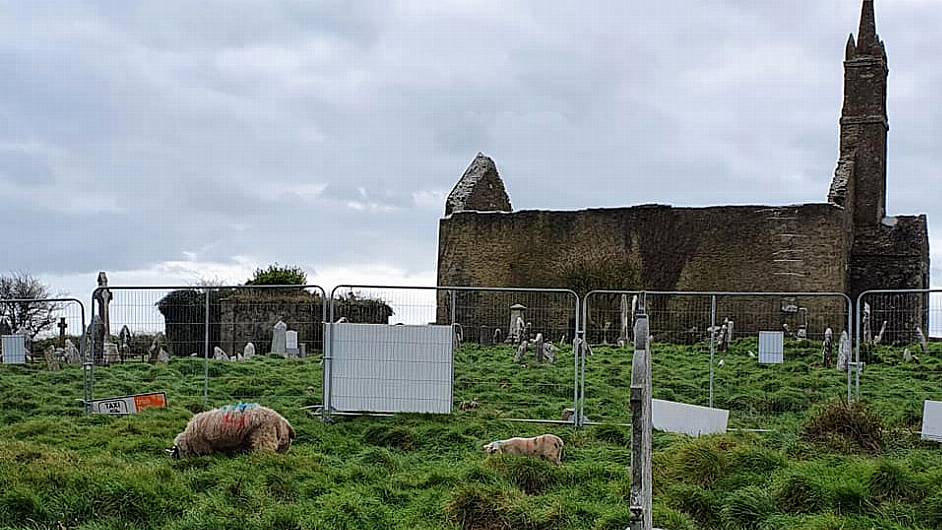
[(242, 428), (548, 446)]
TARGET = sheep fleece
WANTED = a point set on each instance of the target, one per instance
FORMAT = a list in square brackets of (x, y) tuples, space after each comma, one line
[(235, 428), (548, 446)]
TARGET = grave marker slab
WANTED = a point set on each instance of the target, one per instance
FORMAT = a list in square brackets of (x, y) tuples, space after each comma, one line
[(771, 347)]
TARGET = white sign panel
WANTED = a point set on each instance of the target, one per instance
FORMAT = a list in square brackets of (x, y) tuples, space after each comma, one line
[(14, 349), (382, 368), (932, 421), (692, 420), (771, 347), (127, 405)]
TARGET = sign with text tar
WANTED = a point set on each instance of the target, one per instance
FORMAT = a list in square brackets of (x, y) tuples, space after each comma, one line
[(124, 406)]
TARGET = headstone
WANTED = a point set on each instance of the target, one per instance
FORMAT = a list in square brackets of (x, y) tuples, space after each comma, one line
[(521, 352), (71, 353), (516, 331), (291, 344), (907, 356), (219, 354), (163, 356), (625, 317), (156, 345), (538, 351), (730, 325), (248, 352), (923, 343), (771, 347), (50, 356), (111, 353), (827, 350), (279, 339), (802, 333), (721, 339), (5, 327), (549, 352), (303, 350), (843, 353), (867, 332), (497, 339), (93, 346), (640, 504), (932, 421), (879, 338), (124, 341)]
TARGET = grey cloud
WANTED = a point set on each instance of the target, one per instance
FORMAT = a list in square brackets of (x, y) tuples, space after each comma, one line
[(249, 128)]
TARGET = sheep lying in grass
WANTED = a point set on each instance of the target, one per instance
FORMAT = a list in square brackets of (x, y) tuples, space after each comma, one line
[(246, 427), (548, 446)]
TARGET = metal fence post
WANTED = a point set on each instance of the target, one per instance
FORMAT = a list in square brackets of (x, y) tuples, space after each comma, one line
[(206, 352), (712, 344)]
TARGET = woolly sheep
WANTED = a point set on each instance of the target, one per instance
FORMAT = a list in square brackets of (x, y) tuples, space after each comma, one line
[(548, 446), (245, 427)]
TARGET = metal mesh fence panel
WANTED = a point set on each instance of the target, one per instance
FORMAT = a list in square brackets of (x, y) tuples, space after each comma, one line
[(211, 345), (706, 352), (512, 356), (50, 327), (898, 339)]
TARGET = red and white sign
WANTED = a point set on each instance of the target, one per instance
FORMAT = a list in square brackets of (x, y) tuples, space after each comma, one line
[(124, 406)]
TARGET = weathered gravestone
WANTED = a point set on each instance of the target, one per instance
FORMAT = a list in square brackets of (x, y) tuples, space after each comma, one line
[(50, 357), (248, 352), (279, 339), (71, 355), (291, 344), (828, 347), (843, 352)]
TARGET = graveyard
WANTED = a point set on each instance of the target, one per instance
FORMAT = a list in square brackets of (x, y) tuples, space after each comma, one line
[(800, 459)]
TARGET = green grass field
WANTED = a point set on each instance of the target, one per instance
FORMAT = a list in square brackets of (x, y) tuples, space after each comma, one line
[(820, 467)]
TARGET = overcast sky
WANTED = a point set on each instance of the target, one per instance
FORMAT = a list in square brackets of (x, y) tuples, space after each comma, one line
[(170, 141)]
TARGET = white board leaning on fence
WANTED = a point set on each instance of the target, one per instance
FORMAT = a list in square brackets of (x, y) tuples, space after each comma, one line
[(932, 421), (692, 420), (13, 349), (771, 347), (388, 369)]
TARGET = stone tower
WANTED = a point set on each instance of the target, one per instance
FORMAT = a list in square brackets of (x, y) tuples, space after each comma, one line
[(860, 180), (480, 189)]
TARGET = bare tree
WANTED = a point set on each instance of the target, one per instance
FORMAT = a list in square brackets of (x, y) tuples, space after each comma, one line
[(28, 318)]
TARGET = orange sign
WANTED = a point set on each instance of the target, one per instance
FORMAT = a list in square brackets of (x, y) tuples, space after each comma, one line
[(150, 401)]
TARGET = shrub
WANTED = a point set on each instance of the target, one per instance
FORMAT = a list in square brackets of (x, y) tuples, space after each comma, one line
[(703, 461), (843, 424), (482, 508), (532, 475), (748, 507), (890, 481), (849, 497), (278, 275), (797, 493), (700, 504), (383, 435)]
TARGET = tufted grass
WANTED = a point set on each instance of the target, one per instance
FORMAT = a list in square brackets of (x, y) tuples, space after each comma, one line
[(62, 470)]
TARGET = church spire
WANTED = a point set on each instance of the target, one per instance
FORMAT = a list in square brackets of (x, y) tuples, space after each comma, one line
[(868, 42)]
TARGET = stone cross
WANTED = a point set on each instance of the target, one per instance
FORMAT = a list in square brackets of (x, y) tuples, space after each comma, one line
[(104, 301), (641, 430), (62, 327), (279, 339)]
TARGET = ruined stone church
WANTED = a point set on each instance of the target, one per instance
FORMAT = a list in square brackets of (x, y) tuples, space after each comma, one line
[(847, 244)]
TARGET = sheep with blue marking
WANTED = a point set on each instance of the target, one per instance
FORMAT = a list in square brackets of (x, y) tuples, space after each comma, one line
[(241, 428)]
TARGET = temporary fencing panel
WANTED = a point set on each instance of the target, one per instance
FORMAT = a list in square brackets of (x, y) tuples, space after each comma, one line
[(705, 352), (513, 347), (223, 344), (898, 346)]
